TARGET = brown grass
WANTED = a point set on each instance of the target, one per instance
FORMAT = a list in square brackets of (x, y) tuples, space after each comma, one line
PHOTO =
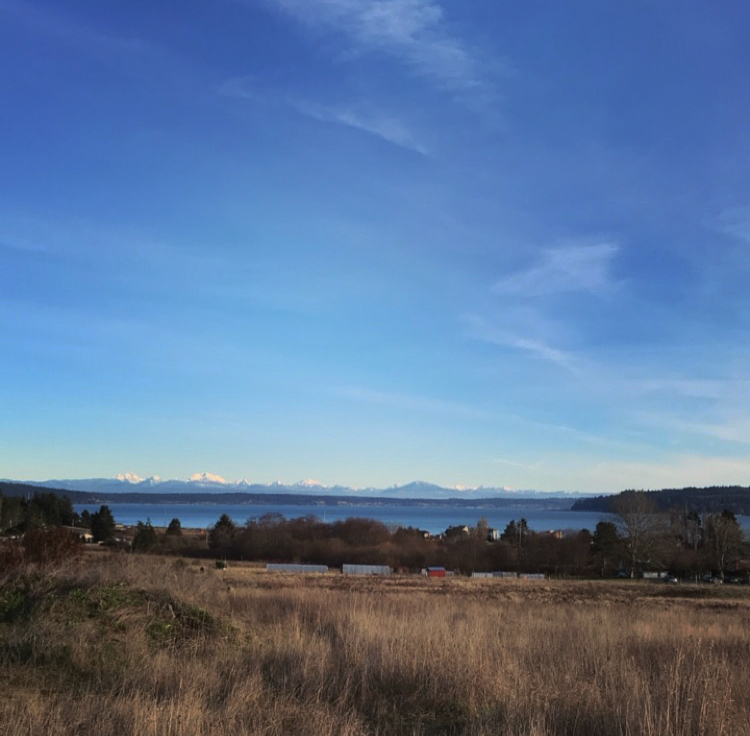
[(144, 646)]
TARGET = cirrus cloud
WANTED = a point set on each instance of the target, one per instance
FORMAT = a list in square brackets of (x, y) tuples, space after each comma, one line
[(567, 268), (411, 31)]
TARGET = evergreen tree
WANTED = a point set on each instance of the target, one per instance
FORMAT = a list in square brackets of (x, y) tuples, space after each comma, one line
[(516, 533), (102, 524), (222, 533), (606, 546), (145, 536), (175, 527)]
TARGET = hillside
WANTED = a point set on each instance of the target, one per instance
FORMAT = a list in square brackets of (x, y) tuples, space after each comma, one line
[(271, 495), (713, 499)]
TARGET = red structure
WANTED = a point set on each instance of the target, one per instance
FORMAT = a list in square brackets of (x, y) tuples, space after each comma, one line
[(435, 572)]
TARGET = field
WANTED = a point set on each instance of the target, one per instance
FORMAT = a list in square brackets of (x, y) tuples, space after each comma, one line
[(125, 644)]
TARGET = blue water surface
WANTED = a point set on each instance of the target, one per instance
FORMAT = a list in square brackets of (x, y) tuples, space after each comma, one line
[(433, 519)]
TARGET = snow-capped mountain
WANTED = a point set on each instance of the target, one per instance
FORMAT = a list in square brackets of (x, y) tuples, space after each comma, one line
[(129, 478), (309, 483), (209, 478), (204, 482)]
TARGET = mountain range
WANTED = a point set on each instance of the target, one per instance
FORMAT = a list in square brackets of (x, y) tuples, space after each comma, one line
[(209, 483)]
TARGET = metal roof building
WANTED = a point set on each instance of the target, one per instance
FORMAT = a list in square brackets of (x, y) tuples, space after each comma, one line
[(366, 570), (277, 567)]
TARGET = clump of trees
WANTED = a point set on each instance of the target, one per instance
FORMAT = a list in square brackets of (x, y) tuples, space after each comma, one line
[(639, 538), (272, 538), (102, 524), (19, 514), (145, 537), (683, 541)]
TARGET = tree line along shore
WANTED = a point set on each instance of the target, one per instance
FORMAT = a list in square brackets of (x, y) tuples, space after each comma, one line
[(641, 539)]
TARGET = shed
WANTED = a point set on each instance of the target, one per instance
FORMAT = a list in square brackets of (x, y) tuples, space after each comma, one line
[(436, 572)]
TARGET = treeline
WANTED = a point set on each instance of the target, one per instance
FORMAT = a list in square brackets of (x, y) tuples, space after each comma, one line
[(272, 538), (20, 514), (643, 538), (710, 500), (33, 511)]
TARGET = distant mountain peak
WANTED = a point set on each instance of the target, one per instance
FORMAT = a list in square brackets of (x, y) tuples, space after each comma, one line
[(129, 478), (310, 483), (212, 483), (208, 478)]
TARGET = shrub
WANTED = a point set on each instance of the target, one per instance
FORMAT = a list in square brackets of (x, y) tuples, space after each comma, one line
[(175, 527), (51, 546), (145, 537), (11, 556)]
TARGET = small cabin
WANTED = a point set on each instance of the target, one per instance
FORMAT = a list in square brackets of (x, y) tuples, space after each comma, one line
[(436, 572)]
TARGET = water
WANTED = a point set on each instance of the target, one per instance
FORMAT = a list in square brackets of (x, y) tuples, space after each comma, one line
[(434, 519)]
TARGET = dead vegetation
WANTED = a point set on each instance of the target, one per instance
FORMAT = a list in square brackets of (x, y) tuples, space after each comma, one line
[(147, 646)]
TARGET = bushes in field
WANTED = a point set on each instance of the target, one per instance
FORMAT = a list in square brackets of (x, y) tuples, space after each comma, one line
[(42, 547)]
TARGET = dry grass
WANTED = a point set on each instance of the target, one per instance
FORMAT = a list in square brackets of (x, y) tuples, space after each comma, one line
[(132, 645)]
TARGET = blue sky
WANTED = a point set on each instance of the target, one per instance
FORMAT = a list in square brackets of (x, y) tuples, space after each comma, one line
[(486, 243)]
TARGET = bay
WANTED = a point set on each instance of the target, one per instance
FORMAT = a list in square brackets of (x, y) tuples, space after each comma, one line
[(434, 519)]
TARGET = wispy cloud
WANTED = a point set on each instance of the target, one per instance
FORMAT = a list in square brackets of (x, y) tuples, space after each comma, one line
[(413, 403), (367, 119), (361, 116), (412, 31), (481, 329), (671, 471), (564, 269), (720, 422)]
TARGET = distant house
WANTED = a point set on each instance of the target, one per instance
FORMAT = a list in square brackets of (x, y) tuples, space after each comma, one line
[(493, 534), (435, 572), (84, 535)]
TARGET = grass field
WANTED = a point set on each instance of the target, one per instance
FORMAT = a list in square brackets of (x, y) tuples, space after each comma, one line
[(128, 644)]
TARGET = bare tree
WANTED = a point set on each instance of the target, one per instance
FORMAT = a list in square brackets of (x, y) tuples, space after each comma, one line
[(639, 525), (724, 539)]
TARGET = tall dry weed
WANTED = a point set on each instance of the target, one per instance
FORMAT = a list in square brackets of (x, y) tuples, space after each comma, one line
[(133, 645)]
